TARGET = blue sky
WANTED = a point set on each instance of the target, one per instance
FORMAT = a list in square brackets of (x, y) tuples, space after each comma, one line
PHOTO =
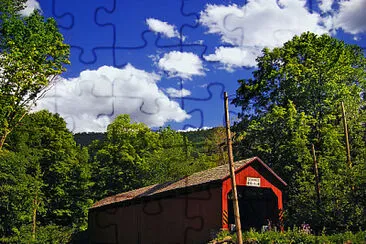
[(168, 62)]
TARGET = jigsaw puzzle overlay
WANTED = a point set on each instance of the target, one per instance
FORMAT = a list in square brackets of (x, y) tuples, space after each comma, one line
[(115, 48), (146, 215)]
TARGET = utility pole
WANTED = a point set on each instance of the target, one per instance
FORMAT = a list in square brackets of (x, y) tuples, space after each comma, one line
[(346, 135), (232, 172), (317, 188)]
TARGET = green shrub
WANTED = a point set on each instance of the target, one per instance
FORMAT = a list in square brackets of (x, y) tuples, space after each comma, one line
[(295, 236), (44, 234), (349, 237)]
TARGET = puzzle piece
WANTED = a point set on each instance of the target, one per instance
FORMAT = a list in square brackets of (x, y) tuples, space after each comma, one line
[(80, 30), (190, 201), (122, 47), (127, 51), (202, 107), (234, 29), (127, 43), (67, 95), (149, 218), (109, 228), (117, 48)]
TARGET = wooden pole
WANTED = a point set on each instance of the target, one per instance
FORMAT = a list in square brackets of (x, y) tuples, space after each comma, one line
[(317, 188), (232, 172), (346, 135)]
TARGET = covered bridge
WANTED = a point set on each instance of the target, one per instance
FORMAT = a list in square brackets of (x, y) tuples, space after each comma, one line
[(190, 210)]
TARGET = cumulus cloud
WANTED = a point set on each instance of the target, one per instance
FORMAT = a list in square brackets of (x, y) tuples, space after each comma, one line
[(164, 28), (30, 6), (258, 24), (92, 100), (351, 16), (261, 22), (172, 92), (234, 57), (181, 64)]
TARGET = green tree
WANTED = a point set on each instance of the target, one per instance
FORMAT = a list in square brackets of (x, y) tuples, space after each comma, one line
[(293, 101), (32, 55), (57, 173), (11, 6), (175, 157), (119, 162), (18, 188), (165, 162), (216, 145), (133, 156)]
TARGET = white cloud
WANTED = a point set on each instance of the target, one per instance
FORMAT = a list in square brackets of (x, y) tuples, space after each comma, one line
[(351, 16), (214, 17), (234, 57), (325, 5), (181, 64), (262, 23), (172, 92), (164, 28), (195, 129), (258, 24), (30, 6), (92, 100)]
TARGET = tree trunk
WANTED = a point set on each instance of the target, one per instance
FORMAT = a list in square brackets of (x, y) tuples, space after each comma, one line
[(2, 141), (7, 130), (34, 216)]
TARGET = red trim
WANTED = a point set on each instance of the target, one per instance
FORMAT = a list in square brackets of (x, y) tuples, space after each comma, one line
[(263, 164), (241, 175)]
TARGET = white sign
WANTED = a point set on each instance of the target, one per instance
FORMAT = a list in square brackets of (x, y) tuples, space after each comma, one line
[(253, 181)]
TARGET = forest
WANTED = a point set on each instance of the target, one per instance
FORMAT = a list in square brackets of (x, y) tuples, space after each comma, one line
[(291, 117)]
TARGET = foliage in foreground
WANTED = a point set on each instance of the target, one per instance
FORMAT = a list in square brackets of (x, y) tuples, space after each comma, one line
[(295, 236), (32, 54), (53, 234), (47, 182), (293, 103), (44, 181)]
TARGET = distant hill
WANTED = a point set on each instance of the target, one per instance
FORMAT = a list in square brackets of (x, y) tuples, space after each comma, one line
[(207, 140), (85, 139), (198, 138)]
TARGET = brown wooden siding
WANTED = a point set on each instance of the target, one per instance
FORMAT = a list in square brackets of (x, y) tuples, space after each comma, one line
[(189, 218)]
